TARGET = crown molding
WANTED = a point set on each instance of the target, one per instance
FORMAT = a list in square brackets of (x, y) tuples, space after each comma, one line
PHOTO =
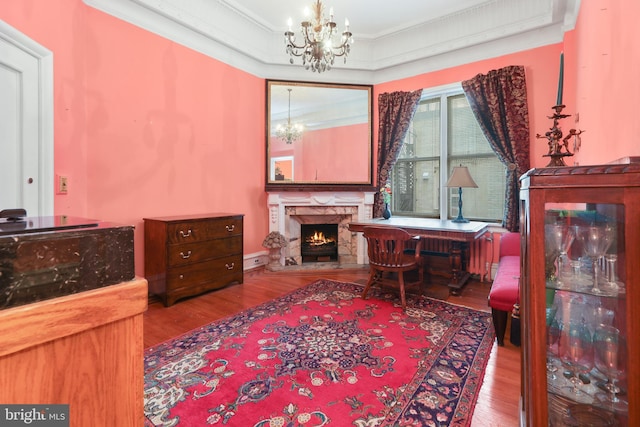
[(241, 40)]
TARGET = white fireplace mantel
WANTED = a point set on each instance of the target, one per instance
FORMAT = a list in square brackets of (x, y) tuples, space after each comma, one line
[(278, 202)]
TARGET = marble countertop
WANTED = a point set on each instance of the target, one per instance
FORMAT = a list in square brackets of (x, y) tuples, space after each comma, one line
[(47, 257)]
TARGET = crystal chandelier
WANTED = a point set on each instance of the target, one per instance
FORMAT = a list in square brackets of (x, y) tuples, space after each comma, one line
[(321, 43), (289, 133)]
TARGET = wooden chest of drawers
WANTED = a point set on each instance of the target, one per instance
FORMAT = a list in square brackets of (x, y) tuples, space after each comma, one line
[(189, 255)]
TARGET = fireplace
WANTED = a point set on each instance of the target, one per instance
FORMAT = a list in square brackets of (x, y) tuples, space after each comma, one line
[(290, 211), (319, 242)]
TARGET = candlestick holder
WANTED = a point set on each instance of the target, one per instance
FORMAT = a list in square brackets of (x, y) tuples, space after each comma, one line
[(558, 146)]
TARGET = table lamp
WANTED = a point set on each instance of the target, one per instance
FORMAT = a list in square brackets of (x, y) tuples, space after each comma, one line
[(461, 178)]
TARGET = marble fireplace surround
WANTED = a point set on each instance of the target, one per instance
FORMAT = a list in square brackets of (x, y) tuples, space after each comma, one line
[(288, 210)]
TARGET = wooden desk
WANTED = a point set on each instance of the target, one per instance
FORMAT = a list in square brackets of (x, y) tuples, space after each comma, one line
[(458, 236)]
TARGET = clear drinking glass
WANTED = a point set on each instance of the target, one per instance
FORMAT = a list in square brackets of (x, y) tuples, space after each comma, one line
[(553, 336), (613, 283), (596, 240), (559, 239), (611, 359), (578, 280), (576, 354), (601, 316)]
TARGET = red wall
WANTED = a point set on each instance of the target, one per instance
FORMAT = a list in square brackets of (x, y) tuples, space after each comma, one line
[(146, 127)]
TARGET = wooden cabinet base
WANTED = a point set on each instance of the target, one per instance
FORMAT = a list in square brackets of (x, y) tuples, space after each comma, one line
[(85, 350)]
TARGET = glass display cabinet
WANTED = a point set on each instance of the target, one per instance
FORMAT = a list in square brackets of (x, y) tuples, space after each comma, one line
[(580, 295)]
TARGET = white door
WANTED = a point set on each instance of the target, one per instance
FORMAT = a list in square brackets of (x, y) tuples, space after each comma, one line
[(26, 130)]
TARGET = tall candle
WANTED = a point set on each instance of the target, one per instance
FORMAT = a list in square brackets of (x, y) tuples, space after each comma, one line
[(560, 79)]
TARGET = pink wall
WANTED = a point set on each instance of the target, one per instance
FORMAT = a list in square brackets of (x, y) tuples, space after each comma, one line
[(600, 82), (606, 71), (541, 71), (146, 127), (336, 154)]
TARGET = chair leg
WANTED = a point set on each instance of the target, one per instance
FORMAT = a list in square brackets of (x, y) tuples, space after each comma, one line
[(402, 292), (372, 279), (421, 277), (499, 324)]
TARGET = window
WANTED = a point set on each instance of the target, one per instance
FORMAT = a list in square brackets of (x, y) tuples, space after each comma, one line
[(444, 133)]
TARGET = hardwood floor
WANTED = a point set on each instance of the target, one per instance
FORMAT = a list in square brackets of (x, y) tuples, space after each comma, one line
[(498, 399)]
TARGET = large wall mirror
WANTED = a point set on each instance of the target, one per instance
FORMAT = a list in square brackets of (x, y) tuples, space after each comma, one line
[(319, 136)]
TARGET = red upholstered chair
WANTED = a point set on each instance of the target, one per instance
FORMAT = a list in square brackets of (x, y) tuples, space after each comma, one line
[(505, 290), (386, 249)]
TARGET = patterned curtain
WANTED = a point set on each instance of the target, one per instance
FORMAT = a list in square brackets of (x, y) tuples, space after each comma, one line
[(499, 103), (395, 113)]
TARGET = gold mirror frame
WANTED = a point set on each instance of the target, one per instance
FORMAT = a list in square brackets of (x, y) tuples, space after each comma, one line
[(335, 151)]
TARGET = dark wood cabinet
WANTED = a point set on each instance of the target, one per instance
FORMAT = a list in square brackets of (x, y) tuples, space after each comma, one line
[(189, 255), (580, 295)]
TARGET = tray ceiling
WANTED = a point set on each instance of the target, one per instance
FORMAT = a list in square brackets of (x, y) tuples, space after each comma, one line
[(392, 39)]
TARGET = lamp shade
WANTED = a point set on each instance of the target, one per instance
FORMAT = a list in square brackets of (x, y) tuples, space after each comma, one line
[(461, 178)]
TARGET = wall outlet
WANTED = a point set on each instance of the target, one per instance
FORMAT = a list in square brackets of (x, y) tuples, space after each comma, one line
[(63, 184), (255, 260)]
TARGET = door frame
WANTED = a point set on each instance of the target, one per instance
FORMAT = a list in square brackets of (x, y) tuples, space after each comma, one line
[(44, 114)]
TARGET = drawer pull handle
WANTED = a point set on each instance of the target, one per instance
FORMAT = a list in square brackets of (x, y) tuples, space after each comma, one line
[(181, 276), (231, 227), (185, 256), (230, 266), (185, 235)]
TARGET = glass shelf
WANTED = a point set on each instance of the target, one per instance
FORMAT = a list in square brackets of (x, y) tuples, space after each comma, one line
[(585, 313), (619, 293)]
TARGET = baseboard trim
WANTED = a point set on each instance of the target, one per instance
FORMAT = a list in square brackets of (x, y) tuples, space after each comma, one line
[(255, 260)]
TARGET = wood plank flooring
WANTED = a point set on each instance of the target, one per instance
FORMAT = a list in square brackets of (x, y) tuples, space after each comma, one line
[(499, 395)]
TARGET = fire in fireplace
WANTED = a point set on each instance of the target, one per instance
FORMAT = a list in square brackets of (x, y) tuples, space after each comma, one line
[(319, 242)]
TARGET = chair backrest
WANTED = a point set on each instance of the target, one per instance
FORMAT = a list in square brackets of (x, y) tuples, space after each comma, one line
[(510, 244), (386, 245)]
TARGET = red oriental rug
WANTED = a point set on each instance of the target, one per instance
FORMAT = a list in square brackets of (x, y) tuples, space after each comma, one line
[(322, 355)]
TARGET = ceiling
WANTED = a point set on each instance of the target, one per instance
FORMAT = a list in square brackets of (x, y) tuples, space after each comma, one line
[(393, 39), (372, 22)]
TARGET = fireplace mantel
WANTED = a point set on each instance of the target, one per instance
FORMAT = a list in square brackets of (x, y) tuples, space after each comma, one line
[(351, 206)]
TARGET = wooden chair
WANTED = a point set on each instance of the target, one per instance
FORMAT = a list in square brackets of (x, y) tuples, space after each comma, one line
[(386, 248)]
